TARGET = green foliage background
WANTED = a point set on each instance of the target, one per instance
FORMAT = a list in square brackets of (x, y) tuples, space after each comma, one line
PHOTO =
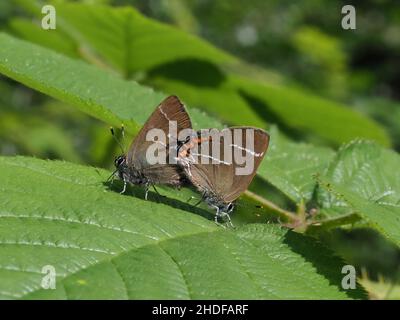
[(327, 96)]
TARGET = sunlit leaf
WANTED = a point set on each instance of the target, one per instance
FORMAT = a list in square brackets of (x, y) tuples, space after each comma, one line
[(101, 244), (364, 178)]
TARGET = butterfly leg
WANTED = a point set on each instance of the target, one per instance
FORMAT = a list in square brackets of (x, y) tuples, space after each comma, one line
[(124, 189), (226, 214), (223, 215), (229, 220), (216, 217), (146, 192)]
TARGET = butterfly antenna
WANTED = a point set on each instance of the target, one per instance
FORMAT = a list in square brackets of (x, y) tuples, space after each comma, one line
[(123, 131), (123, 136), (116, 139)]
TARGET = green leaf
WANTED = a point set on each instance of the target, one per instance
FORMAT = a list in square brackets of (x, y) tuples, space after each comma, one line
[(126, 39), (364, 178), (95, 92), (291, 167), (103, 244), (311, 114), (58, 41)]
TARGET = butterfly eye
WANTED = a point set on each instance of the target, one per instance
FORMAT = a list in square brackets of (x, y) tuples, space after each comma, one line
[(230, 207), (119, 161)]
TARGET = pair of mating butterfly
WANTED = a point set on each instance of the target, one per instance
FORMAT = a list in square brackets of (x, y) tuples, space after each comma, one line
[(218, 183)]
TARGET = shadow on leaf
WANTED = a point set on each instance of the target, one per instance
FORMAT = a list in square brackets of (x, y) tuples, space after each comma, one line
[(265, 112), (139, 192), (324, 261), (196, 72)]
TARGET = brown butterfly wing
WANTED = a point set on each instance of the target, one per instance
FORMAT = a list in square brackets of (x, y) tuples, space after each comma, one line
[(241, 182), (164, 174), (221, 179), (170, 109)]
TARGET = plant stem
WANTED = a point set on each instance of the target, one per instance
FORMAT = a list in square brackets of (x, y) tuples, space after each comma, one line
[(291, 216)]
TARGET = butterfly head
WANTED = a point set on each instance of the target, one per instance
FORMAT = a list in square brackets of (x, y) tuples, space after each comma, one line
[(223, 212), (120, 161)]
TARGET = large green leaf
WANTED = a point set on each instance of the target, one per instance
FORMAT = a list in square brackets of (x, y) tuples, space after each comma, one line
[(98, 93), (307, 113), (106, 245), (122, 37), (364, 178), (58, 41)]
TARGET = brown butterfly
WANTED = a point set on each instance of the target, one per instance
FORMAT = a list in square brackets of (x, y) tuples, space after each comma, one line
[(220, 181), (134, 167)]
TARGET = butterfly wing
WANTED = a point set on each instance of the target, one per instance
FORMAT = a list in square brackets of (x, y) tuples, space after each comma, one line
[(241, 182), (170, 109), (222, 178)]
